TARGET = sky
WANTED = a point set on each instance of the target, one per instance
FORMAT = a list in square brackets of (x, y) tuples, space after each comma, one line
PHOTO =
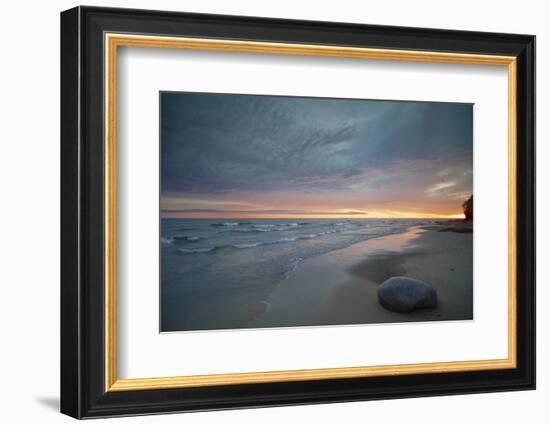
[(246, 156)]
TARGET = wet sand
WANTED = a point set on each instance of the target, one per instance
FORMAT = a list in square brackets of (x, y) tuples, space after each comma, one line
[(340, 287)]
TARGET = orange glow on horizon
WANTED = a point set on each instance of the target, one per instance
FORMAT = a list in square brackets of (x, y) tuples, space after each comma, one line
[(380, 214)]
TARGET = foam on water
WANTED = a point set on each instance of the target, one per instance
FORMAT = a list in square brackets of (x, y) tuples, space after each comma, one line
[(208, 265)]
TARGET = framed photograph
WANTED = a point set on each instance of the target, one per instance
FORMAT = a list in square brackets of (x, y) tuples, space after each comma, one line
[(261, 212)]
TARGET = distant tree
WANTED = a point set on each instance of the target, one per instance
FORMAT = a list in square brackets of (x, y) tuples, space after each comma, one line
[(468, 207)]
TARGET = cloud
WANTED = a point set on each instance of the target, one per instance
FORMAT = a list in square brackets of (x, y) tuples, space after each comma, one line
[(262, 212), (215, 145), (438, 187), (175, 202)]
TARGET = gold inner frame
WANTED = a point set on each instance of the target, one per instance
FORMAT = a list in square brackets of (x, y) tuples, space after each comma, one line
[(113, 41)]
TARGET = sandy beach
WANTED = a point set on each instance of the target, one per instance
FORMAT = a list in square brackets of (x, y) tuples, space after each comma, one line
[(340, 287)]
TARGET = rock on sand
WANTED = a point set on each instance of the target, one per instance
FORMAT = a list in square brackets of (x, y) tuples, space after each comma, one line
[(403, 294)]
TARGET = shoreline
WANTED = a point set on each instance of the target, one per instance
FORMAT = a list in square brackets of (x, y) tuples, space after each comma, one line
[(340, 287)]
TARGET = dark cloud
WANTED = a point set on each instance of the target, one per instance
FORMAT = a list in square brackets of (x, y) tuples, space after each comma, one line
[(215, 143), (260, 212)]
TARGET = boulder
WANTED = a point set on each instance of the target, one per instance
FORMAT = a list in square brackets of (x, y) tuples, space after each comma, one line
[(403, 294)]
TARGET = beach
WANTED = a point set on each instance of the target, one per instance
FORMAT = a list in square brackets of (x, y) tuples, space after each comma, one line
[(281, 273), (340, 287)]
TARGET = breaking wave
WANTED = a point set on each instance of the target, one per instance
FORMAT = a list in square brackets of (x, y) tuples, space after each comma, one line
[(219, 248)]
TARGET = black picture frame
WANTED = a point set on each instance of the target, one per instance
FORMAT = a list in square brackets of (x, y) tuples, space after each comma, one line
[(83, 392)]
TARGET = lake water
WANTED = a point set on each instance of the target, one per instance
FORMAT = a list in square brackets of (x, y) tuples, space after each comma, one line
[(217, 273)]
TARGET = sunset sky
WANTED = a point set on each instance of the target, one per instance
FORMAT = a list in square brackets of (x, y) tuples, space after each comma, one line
[(243, 156)]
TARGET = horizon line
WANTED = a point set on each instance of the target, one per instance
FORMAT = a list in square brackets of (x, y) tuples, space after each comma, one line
[(311, 217)]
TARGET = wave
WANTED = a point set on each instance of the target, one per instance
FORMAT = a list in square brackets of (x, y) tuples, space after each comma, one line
[(230, 223), (262, 243), (293, 266), (261, 228), (214, 249), (248, 230), (197, 250), (257, 225), (183, 239), (219, 248)]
